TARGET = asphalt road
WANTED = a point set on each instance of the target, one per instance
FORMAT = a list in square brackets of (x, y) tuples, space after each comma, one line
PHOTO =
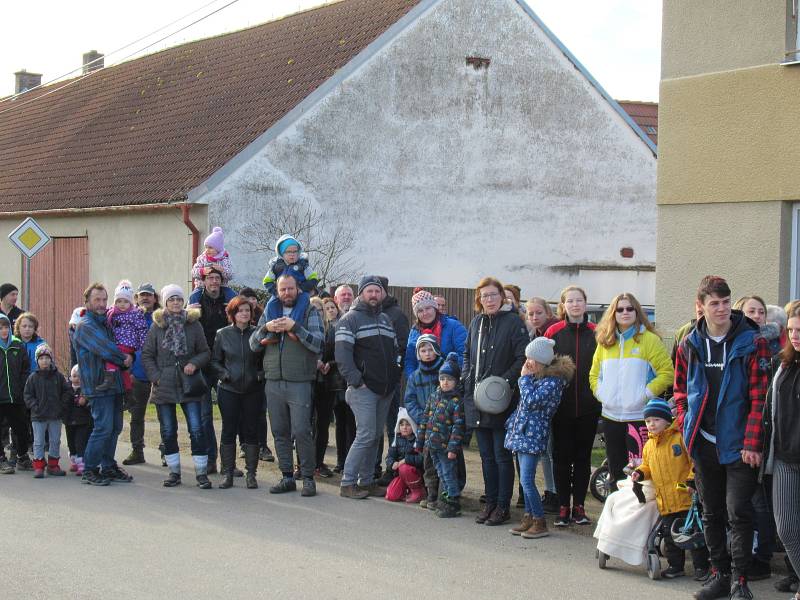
[(141, 540)]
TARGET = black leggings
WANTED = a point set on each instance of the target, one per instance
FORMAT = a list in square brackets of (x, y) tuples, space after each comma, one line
[(622, 442), (16, 415), (323, 409), (239, 410), (572, 457), (345, 427), (77, 436)]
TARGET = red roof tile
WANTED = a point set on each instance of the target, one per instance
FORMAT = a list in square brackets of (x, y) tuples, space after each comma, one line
[(645, 115), (149, 130)]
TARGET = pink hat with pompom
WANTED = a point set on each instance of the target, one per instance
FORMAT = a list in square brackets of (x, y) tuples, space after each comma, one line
[(216, 240)]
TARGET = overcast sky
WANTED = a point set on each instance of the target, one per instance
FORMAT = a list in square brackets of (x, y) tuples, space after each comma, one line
[(619, 41)]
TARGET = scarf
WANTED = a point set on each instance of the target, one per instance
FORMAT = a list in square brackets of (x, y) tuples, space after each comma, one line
[(434, 328), (175, 338)]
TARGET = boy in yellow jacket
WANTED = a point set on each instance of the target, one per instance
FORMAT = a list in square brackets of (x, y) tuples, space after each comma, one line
[(666, 462)]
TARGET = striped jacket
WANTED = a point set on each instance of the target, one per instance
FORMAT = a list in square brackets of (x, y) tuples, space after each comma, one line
[(366, 349), (94, 345)]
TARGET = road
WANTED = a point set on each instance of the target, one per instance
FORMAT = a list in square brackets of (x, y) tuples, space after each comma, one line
[(141, 540)]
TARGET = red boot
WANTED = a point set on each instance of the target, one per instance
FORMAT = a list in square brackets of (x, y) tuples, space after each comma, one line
[(38, 468), (52, 466), (412, 479)]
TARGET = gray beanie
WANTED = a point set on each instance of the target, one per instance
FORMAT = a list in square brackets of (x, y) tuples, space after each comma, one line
[(541, 350)]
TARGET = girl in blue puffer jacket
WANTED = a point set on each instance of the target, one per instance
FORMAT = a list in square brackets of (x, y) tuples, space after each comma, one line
[(542, 380)]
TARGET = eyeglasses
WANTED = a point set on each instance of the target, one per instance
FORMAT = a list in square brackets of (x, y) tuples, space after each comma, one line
[(622, 309), (490, 296)]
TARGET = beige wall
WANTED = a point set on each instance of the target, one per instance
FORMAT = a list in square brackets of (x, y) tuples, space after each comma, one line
[(747, 243), (719, 35), (730, 137), (152, 246)]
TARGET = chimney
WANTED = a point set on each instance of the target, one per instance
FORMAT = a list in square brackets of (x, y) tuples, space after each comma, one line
[(26, 81), (92, 60)]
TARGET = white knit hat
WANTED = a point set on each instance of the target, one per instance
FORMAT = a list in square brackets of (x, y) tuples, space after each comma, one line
[(170, 290), (124, 290), (541, 350)]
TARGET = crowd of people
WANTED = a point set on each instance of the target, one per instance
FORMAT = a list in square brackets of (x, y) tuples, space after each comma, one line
[(719, 416)]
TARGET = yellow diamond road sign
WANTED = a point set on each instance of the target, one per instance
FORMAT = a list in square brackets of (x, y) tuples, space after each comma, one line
[(29, 237)]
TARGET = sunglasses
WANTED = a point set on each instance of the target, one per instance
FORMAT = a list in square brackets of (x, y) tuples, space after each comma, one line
[(622, 309)]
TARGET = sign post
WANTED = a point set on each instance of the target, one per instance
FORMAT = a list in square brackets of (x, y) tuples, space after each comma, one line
[(29, 238)]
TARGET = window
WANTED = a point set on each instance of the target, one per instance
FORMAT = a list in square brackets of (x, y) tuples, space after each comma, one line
[(792, 55), (794, 276)]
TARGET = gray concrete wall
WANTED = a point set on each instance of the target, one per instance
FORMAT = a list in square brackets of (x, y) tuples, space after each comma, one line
[(449, 173)]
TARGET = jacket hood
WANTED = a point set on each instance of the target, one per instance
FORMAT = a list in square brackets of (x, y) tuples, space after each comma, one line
[(770, 331), (561, 367), (192, 315), (389, 301), (739, 324)]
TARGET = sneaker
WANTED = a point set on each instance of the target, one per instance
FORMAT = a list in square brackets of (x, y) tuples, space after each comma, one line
[(136, 457), (203, 482), (759, 570), (6, 468), (579, 515), (94, 477), (718, 585), (432, 505), (324, 471), (309, 488), (337, 469), (353, 492), (740, 590), (116, 475), (172, 479), (701, 573), (286, 484), (784, 584), (550, 503), (265, 454), (24, 463), (562, 520), (673, 572)]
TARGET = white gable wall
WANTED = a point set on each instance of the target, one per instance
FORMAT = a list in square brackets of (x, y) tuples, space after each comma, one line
[(450, 173)]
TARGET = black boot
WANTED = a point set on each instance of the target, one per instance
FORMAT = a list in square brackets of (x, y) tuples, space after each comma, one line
[(227, 455), (251, 464), (449, 508), (107, 383)]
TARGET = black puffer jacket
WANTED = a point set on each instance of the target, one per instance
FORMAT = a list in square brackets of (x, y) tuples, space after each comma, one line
[(72, 413), (334, 382), (577, 341), (236, 366), (400, 322), (503, 354), (46, 391), (15, 366)]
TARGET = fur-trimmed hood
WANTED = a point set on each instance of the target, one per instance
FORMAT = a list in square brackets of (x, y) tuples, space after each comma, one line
[(192, 315), (562, 367)]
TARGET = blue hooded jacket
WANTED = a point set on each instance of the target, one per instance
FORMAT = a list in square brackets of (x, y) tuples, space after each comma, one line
[(94, 345), (419, 387)]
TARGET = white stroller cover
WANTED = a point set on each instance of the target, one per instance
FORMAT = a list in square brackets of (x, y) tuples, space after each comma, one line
[(625, 524)]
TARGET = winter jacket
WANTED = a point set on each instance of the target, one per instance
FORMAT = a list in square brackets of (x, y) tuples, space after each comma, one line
[(629, 373), (13, 315), (540, 332), (577, 341), (212, 315), (400, 323), (366, 349), (419, 387), (163, 368), (72, 413), (442, 424), (294, 357), (781, 434), (307, 278), (334, 382), (94, 344), (137, 370), (666, 462), (403, 449), (453, 338), (14, 371), (528, 427), (502, 354), (233, 363), (740, 401), (130, 328), (227, 294), (46, 391), (31, 347), (221, 262)]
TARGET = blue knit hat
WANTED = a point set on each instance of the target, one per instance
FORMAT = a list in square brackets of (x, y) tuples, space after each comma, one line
[(284, 242), (658, 407), (450, 367)]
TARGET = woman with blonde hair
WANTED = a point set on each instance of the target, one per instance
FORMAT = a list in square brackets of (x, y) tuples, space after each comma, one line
[(630, 367)]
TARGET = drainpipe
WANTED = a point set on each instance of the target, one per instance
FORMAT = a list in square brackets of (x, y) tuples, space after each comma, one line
[(195, 233)]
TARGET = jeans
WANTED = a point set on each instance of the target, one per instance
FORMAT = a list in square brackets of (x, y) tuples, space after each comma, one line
[(240, 414), (527, 476), (546, 462), (207, 418), (345, 427), (168, 419), (572, 457), (290, 407), (446, 469), (102, 444), (726, 490), (51, 429), (369, 410), (498, 467), (137, 407)]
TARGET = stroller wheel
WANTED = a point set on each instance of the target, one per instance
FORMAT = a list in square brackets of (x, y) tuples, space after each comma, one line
[(653, 566), (600, 482), (602, 557)]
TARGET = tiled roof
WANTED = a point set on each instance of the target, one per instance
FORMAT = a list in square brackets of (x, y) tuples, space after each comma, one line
[(645, 115), (149, 130)]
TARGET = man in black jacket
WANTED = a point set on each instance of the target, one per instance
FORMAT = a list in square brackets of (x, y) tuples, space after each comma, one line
[(366, 353)]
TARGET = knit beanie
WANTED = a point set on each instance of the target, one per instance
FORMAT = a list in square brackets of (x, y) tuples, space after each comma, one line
[(541, 350), (170, 290), (284, 242), (44, 350), (402, 415), (4, 317), (428, 338), (451, 367), (216, 240), (422, 299), (6, 289), (124, 290), (658, 407), (367, 281)]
